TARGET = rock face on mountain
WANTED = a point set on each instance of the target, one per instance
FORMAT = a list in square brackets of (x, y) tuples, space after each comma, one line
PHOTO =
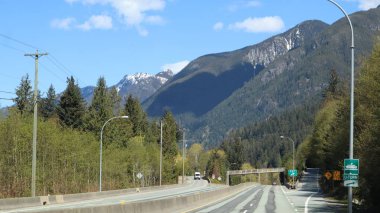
[(210, 79), (217, 92), (140, 85)]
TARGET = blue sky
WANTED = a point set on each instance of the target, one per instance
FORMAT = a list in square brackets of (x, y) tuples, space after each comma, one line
[(112, 38)]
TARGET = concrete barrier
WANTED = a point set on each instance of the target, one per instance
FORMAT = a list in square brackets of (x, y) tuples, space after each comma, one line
[(12, 203), (16, 203), (174, 204)]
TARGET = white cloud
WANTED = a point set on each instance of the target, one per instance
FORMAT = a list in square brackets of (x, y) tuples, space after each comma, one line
[(156, 20), (64, 24), (218, 26), (253, 3), (368, 4), (102, 22), (175, 67), (133, 12), (259, 25)]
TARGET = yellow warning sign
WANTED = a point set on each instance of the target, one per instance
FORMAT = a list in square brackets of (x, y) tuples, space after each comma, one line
[(336, 175), (328, 175)]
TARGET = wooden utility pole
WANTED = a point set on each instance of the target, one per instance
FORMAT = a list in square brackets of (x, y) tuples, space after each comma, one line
[(34, 155)]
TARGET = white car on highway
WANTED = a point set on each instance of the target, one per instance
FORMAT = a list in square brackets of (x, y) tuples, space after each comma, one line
[(197, 176)]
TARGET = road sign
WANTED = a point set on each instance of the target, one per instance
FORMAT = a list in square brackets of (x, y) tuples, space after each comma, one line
[(139, 175), (292, 172), (350, 177), (328, 175), (351, 172), (351, 166), (351, 183), (336, 175)]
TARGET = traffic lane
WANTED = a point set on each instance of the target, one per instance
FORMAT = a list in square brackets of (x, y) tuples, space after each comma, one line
[(307, 197), (232, 204), (273, 200), (195, 187), (269, 199), (303, 195), (253, 204)]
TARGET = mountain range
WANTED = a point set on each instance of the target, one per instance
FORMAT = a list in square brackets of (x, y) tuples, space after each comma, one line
[(219, 92), (139, 85)]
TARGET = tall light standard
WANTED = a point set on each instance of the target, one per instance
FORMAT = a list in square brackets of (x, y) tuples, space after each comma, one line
[(101, 150), (160, 152), (283, 137), (352, 98), (183, 156)]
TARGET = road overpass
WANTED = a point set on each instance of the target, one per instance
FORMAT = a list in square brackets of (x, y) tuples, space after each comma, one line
[(252, 171)]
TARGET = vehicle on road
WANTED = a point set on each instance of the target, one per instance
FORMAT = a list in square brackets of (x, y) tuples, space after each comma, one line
[(197, 176)]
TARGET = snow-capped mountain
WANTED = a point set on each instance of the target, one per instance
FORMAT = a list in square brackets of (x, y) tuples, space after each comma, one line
[(140, 85)]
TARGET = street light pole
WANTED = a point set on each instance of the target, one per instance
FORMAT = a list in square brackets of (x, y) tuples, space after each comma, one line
[(351, 149), (101, 150), (183, 156), (160, 152), (282, 137)]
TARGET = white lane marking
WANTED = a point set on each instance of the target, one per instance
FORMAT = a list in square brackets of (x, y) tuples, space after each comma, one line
[(263, 200), (213, 207), (307, 202), (241, 205)]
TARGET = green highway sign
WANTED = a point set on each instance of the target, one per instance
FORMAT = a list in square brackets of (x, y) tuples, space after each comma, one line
[(351, 172), (351, 183), (351, 166), (350, 177), (292, 172)]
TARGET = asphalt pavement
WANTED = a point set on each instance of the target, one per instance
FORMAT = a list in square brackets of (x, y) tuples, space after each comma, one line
[(277, 199)]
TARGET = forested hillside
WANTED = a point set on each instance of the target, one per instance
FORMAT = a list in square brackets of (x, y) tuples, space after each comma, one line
[(328, 144), (322, 141), (219, 92), (68, 143)]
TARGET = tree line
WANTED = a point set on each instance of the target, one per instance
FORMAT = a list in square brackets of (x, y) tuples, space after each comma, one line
[(68, 142), (328, 144)]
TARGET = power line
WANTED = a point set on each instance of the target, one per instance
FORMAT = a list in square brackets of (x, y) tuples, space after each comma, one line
[(50, 57), (18, 41), (11, 47), (9, 99), (53, 73), (60, 65), (7, 92)]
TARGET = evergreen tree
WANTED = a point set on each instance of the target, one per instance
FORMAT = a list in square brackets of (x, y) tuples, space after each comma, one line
[(115, 100), (235, 154), (169, 146), (24, 99), (71, 107), (100, 109), (332, 89), (136, 115), (49, 104)]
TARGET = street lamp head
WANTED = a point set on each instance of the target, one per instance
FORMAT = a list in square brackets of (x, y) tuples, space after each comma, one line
[(282, 137), (124, 116)]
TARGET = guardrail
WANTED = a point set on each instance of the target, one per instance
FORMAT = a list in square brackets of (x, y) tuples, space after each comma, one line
[(252, 171)]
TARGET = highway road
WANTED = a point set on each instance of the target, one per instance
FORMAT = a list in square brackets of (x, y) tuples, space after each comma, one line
[(270, 199), (249, 198), (307, 197), (187, 189)]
